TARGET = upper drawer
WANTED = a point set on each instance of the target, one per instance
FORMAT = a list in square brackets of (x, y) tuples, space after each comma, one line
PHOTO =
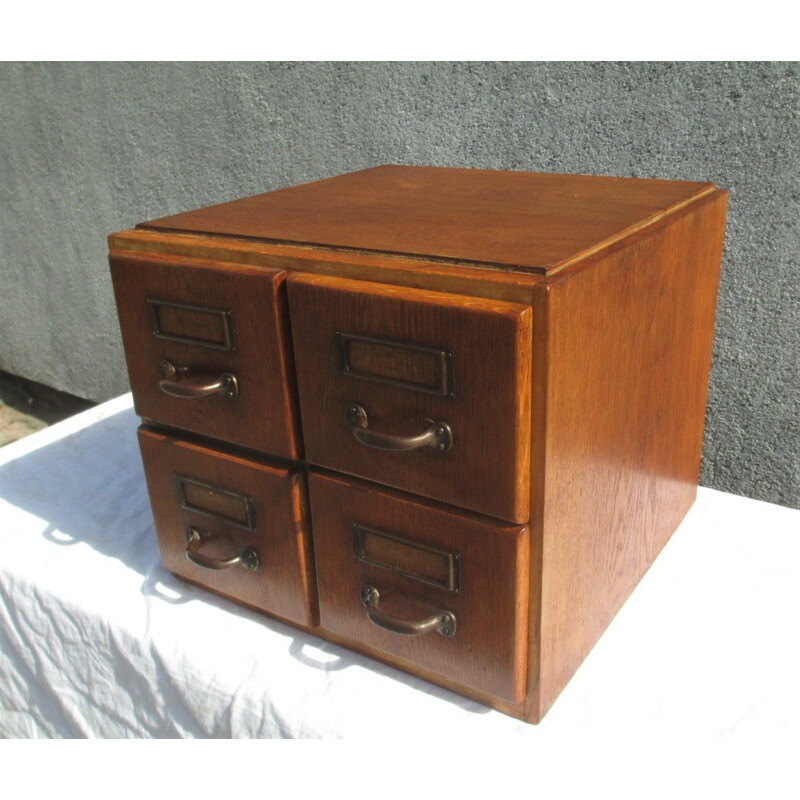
[(424, 391), (223, 331)]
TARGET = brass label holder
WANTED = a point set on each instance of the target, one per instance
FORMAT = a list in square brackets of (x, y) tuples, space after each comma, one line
[(223, 321), (438, 363), (191, 493), (420, 562)]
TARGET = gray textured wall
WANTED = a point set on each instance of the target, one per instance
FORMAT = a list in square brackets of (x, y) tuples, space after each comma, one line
[(91, 148)]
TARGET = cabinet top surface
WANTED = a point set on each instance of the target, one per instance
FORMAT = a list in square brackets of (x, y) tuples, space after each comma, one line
[(522, 220)]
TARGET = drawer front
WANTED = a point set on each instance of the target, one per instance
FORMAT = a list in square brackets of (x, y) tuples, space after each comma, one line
[(212, 508), (442, 591), (418, 390), (187, 329)]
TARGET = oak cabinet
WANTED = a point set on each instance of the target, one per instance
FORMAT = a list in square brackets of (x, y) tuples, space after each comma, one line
[(445, 417)]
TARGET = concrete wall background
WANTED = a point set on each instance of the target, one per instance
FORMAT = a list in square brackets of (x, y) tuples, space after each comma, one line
[(92, 148)]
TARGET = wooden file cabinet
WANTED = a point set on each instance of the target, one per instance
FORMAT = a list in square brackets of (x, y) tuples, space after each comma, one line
[(445, 417)]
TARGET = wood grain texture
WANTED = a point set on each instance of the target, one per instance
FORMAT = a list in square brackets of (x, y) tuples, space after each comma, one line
[(499, 284), (488, 651), (488, 468), (284, 583), (628, 356), (525, 220), (264, 415)]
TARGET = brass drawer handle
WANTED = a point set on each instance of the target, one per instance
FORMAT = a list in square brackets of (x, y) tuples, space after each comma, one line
[(248, 558), (443, 622), (437, 433), (176, 381)]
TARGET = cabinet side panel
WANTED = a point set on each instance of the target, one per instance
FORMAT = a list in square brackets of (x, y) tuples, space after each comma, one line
[(629, 352)]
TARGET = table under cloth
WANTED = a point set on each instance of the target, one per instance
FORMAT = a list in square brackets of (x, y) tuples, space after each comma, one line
[(97, 639)]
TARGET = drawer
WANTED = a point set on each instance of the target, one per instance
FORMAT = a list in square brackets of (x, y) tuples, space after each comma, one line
[(418, 390), (438, 590), (235, 526), (209, 324)]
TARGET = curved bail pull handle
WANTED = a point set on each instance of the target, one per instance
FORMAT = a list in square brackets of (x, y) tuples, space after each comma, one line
[(436, 434), (177, 382), (248, 558), (443, 622)]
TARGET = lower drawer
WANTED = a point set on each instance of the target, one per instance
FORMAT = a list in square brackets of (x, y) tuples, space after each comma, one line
[(231, 524), (434, 588)]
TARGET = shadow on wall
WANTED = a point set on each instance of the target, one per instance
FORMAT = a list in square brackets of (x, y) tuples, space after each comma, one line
[(26, 407)]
